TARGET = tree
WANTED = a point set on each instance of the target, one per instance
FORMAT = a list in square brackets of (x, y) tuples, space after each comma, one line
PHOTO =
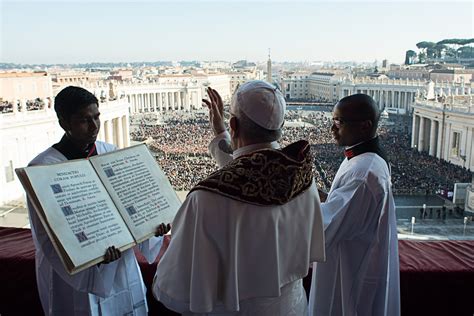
[(421, 57), (451, 52), (465, 52), (427, 47), (466, 41), (456, 42), (439, 48), (427, 50), (409, 56)]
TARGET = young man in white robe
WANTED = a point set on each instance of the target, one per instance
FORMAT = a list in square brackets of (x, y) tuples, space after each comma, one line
[(245, 236), (361, 272), (114, 287)]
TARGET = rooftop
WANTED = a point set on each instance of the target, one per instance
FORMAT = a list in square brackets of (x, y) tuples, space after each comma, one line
[(23, 74), (323, 73), (455, 103)]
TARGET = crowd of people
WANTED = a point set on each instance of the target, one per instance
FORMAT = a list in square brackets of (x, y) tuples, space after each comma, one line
[(31, 105), (185, 170), (181, 149), (6, 107), (414, 172)]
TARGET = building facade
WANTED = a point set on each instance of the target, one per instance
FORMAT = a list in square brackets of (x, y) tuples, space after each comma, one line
[(445, 129), (20, 87), (451, 75), (398, 96), (63, 79), (161, 97), (237, 78), (219, 82), (295, 86), (323, 87), (167, 93), (408, 72), (395, 95)]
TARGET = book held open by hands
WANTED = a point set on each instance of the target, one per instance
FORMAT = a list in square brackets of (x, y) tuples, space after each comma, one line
[(88, 205)]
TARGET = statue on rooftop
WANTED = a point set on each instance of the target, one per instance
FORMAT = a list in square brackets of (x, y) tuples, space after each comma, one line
[(112, 95)]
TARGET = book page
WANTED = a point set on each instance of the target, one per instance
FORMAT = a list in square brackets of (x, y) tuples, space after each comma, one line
[(139, 188), (33, 199), (79, 210)]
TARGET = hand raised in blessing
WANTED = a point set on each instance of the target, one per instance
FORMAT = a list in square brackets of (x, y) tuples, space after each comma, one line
[(216, 111)]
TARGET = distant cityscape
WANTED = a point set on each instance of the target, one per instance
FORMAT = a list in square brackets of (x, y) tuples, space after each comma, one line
[(427, 106)]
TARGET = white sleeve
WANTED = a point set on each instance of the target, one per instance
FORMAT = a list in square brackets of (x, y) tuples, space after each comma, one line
[(151, 248), (98, 280), (187, 274), (220, 149), (346, 212)]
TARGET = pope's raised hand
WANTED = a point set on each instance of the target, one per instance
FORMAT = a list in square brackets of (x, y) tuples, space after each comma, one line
[(216, 111)]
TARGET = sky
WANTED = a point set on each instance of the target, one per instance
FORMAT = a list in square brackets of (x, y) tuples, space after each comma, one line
[(131, 31)]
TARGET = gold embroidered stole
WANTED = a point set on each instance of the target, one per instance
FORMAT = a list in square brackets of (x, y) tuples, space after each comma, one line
[(264, 177)]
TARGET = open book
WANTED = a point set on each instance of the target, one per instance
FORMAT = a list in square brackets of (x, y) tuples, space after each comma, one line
[(118, 198)]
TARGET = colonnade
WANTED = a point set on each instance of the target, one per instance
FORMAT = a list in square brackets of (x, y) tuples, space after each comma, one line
[(163, 101), (116, 131), (427, 135), (393, 98)]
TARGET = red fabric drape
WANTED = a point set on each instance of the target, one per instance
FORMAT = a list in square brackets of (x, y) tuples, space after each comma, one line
[(436, 277)]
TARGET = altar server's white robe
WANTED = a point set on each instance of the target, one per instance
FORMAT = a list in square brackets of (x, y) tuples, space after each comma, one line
[(111, 289), (361, 272)]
